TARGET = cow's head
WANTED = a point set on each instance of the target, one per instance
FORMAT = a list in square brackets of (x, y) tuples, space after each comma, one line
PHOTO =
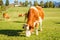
[(26, 27)]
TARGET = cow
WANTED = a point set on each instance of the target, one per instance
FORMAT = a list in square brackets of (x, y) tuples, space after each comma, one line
[(20, 15), (24, 14), (6, 16), (34, 18)]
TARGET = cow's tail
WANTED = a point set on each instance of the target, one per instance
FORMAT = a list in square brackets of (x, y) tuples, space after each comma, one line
[(26, 16)]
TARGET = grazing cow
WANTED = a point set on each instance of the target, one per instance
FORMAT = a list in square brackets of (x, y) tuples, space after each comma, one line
[(5, 16), (20, 15), (34, 18)]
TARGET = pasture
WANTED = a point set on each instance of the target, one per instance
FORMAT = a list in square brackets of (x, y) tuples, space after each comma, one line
[(11, 29)]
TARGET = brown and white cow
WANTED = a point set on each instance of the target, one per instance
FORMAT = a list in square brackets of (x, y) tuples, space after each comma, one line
[(5, 15), (20, 15), (34, 18)]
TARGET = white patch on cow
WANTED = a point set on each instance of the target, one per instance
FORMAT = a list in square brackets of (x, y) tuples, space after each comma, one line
[(27, 27), (40, 21), (36, 31), (36, 28), (35, 23), (28, 33), (34, 8)]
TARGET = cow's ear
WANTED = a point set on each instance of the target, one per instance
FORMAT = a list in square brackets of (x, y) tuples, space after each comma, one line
[(27, 25)]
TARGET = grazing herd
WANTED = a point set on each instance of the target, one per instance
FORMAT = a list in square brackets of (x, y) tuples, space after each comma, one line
[(34, 17), (6, 16)]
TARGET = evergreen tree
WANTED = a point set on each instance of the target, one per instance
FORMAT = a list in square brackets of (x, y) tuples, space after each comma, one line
[(26, 3), (2, 7), (30, 3), (1, 2), (46, 4), (7, 2), (51, 4), (42, 4), (59, 6), (21, 4), (35, 3)]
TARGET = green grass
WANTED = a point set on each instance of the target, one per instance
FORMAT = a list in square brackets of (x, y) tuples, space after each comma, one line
[(12, 29)]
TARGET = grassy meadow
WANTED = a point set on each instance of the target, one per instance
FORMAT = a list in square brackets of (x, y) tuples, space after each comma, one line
[(11, 29)]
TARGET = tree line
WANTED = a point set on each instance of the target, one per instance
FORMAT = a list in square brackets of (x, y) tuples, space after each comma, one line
[(3, 6), (48, 4)]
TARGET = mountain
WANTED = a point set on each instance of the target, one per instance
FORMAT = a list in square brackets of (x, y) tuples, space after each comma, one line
[(56, 3)]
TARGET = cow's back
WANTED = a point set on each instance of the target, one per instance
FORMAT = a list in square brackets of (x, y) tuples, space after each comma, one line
[(32, 16), (41, 12)]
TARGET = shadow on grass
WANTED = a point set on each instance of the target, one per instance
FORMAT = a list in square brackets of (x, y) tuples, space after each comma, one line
[(12, 32), (19, 21), (57, 22), (1, 19)]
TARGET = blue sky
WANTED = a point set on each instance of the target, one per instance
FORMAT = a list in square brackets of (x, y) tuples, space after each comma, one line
[(12, 1)]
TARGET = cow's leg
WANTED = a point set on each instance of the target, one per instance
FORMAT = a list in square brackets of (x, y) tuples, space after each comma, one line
[(28, 33), (32, 30), (37, 28), (40, 22)]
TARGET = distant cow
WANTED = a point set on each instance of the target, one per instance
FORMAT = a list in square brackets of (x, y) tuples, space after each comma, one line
[(5, 15), (34, 18), (20, 15)]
